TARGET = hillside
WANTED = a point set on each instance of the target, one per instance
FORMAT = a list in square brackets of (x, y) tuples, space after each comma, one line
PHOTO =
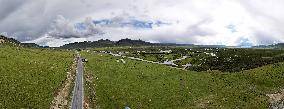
[(13, 42), (8, 41), (118, 81), (30, 77)]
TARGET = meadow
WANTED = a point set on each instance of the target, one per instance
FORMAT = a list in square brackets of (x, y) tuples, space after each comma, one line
[(30, 77), (203, 59), (110, 83)]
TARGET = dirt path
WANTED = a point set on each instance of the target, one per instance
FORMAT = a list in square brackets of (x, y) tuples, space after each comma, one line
[(276, 100), (61, 99)]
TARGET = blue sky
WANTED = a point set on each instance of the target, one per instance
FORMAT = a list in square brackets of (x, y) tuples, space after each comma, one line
[(226, 22)]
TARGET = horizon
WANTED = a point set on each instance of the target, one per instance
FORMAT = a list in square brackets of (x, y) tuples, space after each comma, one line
[(232, 23), (237, 46)]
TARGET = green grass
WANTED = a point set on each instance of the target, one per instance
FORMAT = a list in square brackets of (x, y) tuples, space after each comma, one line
[(29, 78), (183, 62), (143, 85)]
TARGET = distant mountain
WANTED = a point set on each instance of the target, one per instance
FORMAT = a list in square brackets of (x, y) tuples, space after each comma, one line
[(129, 42), (31, 45), (279, 45), (88, 44), (13, 42), (106, 43), (122, 42)]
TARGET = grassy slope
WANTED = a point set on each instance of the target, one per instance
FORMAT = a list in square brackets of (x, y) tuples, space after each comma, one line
[(143, 85), (29, 77)]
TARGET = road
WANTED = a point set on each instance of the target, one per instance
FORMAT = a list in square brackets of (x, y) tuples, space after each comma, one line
[(78, 94)]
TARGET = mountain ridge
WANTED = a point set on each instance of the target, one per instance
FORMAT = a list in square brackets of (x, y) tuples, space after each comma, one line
[(121, 42)]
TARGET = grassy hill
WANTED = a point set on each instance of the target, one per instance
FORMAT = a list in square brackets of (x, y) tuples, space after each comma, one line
[(13, 42), (30, 77), (9, 41), (135, 84)]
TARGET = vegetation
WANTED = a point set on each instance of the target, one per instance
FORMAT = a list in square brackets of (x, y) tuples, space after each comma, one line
[(139, 84), (29, 78), (106, 43), (233, 60), (214, 78), (203, 59), (13, 42), (279, 45), (30, 45), (120, 43), (8, 41)]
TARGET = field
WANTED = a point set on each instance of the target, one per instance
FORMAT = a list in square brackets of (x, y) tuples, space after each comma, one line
[(146, 77), (203, 59), (29, 77), (112, 83)]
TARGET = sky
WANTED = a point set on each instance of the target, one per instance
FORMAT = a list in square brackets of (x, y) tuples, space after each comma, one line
[(208, 22)]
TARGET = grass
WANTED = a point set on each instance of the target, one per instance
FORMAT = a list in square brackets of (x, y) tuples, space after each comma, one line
[(29, 78), (143, 85), (203, 59)]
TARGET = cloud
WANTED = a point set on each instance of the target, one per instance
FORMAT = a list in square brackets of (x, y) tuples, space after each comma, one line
[(8, 7), (46, 40), (244, 42), (181, 21), (63, 28), (130, 23), (232, 28)]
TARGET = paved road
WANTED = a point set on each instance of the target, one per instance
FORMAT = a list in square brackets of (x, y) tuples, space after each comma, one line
[(78, 95)]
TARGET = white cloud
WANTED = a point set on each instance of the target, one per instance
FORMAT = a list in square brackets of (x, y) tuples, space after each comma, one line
[(63, 28), (192, 21)]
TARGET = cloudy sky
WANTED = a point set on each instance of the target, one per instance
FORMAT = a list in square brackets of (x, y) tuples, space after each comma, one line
[(226, 22)]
